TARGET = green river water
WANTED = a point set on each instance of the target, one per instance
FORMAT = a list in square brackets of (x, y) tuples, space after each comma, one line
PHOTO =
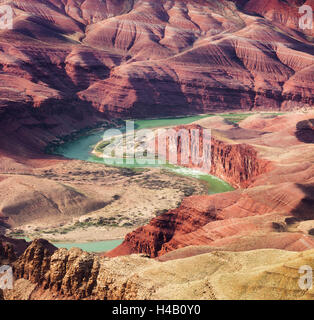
[(93, 246)]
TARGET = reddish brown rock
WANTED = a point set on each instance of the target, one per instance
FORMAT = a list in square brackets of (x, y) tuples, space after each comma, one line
[(144, 58), (11, 249), (74, 274), (247, 218), (35, 262), (279, 12), (238, 164)]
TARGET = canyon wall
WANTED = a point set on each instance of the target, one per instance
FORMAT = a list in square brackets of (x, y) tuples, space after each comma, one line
[(148, 59), (237, 164), (194, 147)]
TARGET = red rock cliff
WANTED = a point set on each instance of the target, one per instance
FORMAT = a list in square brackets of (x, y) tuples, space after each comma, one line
[(238, 164)]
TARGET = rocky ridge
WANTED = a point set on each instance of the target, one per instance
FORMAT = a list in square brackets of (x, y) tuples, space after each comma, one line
[(43, 272)]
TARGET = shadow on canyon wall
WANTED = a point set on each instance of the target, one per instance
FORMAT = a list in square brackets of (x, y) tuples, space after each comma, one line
[(26, 131)]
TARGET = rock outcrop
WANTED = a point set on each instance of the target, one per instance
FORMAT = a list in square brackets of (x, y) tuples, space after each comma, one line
[(237, 164), (75, 274), (11, 249), (189, 146)]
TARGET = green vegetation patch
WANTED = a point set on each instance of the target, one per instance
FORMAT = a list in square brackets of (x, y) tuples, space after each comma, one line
[(237, 117), (165, 122)]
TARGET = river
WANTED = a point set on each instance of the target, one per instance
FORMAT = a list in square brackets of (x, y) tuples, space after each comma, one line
[(82, 147)]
